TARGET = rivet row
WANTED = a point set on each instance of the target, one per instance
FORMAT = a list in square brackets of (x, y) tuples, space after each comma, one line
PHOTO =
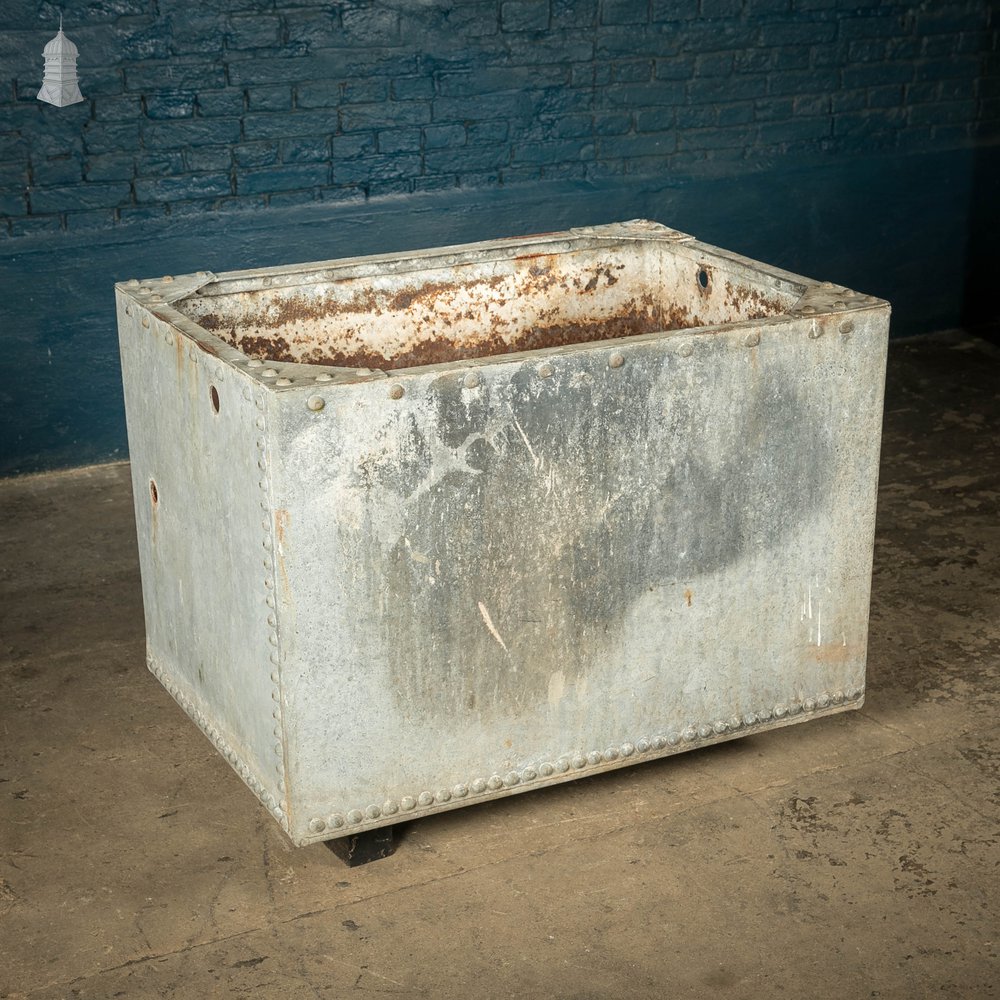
[(220, 744), (579, 761), (270, 613)]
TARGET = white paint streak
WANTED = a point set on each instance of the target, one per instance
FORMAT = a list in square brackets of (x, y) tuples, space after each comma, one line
[(492, 627), (557, 685), (527, 443)]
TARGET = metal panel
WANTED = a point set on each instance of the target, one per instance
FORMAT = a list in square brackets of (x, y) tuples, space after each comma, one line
[(509, 567)]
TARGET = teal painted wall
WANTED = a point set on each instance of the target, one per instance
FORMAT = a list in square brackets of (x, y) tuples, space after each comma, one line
[(855, 141)]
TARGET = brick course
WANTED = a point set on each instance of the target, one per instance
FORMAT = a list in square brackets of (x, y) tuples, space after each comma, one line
[(238, 104)]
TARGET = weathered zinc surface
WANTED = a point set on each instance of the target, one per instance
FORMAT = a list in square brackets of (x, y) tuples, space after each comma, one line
[(422, 530)]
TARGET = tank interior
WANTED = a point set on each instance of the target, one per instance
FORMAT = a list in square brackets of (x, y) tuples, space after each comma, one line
[(394, 315)]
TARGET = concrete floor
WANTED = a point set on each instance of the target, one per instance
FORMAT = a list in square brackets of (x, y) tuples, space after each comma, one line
[(853, 856)]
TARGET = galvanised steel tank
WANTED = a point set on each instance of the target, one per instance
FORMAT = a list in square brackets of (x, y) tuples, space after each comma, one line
[(427, 529)]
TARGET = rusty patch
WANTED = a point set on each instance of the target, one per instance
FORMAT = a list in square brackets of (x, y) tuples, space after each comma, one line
[(434, 322), (835, 652), (636, 319), (751, 303)]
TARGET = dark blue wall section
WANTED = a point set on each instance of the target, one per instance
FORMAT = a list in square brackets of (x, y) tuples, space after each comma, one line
[(854, 140)]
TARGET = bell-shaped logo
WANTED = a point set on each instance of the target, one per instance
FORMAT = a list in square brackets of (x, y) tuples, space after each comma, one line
[(59, 85)]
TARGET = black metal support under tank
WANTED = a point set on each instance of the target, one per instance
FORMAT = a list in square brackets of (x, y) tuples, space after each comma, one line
[(362, 848)]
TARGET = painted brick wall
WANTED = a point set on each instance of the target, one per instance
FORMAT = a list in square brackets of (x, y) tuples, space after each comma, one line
[(242, 104)]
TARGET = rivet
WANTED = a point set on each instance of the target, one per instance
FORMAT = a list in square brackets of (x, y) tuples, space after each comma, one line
[(780, 711), (847, 327), (610, 754), (254, 363), (283, 381), (815, 333), (546, 769), (673, 739), (132, 282), (373, 812), (390, 807), (269, 373), (720, 726), (809, 704), (471, 380), (442, 795), (837, 697), (336, 821), (627, 750), (452, 259), (460, 791), (839, 304), (316, 403), (202, 274), (642, 745), (616, 361), (317, 825), (495, 782), (594, 757), (764, 715), (324, 377), (275, 677), (407, 802), (269, 601), (156, 298), (705, 730), (752, 339), (425, 798), (749, 719), (562, 765), (823, 701), (479, 786), (145, 289), (659, 742), (827, 284), (808, 310), (546, 371), (167, 277), (685, 350), (260, 423), (511, 779), (266, 543), (529, 774), (690, 734), (355, 816), (396, 391), (145, 322)]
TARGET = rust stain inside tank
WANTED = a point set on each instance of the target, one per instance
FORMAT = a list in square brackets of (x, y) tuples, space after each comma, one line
[(531, 302)]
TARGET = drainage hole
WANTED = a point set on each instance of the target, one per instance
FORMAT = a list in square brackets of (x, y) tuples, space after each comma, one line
[(153, 493), (214, 393), (703, 278)]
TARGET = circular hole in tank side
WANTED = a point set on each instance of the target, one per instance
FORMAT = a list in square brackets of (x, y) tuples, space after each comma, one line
[(214, 393), (703, 277)]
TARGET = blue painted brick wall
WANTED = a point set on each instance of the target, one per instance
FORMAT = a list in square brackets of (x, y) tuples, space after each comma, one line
[(216, 105)]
